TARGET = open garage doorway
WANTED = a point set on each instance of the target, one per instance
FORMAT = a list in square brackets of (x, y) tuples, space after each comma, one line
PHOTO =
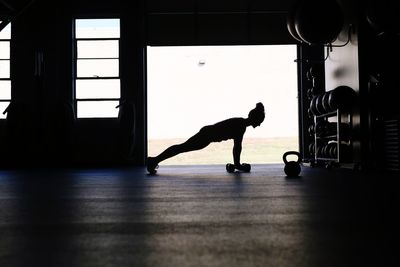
[(189, 87)]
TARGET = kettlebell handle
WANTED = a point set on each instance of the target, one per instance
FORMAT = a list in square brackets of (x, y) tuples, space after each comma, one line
[(291, 153)]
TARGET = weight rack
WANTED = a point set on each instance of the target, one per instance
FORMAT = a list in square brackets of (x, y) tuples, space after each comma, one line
[(336, 154)]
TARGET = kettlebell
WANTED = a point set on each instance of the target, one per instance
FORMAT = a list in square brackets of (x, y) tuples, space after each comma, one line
[(292, 168)]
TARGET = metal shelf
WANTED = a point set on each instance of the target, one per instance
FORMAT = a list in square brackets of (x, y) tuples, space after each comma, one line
[(320, 141)]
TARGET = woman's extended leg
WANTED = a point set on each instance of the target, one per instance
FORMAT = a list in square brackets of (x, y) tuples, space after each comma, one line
[(196, 142)]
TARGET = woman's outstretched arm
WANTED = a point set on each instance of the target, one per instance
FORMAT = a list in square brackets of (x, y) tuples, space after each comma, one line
[(237, 150)]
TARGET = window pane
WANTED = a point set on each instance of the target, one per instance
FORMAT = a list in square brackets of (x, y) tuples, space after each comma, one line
[(97, 28), (97, 89), (98, 49), (4, 69), (6, 32), (98, 68), (3, 106), (4, 50), (5, 90), (97, 109)]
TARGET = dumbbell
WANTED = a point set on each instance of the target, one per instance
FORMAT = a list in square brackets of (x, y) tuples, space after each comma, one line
[(320, 127), (311, 149), (326, 129), (310, 93), (244, 167), (309, 113), (311, 130), (319, 151), (313, 106), (316, 105), (308, 75), (319, 104), (330, 147), (324, 152), (325, 102)]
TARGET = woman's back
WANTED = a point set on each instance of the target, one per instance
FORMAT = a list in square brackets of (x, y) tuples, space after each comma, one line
[(227, 129)]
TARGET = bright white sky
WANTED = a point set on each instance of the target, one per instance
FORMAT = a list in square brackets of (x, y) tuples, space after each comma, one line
[(190, 87)]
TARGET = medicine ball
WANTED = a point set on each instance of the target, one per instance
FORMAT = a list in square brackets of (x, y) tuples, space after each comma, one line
[(318, 22), (342, 97)]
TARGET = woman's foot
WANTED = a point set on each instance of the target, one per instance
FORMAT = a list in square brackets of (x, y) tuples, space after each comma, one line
[(152, 165)]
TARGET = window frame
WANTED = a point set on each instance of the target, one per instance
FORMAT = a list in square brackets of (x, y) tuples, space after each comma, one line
[(5, 100), (75, 67)]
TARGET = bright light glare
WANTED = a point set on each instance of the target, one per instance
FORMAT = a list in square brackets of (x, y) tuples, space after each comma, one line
[(4, 49), (98, 68), (97, 28), (190, 87), (97, 109), (5, 90), (5, 69), (98, 88), (3, 106), (97, 59), (6, 32), (98, 49)]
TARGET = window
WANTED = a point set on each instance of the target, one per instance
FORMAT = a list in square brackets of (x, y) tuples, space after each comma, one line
[(97, 81), (5, 79)]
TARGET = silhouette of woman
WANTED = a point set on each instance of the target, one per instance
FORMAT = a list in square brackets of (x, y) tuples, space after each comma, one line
[(233, 128)]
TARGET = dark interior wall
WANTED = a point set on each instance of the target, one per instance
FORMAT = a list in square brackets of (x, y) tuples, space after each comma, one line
[(109, 140), (379, 39), (342, 68), (42, 127), (366, 65), (195, 22), (361, 57), (40, 73)]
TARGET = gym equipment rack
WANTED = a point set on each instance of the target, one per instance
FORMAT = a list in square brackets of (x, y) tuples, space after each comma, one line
[(332, 141)]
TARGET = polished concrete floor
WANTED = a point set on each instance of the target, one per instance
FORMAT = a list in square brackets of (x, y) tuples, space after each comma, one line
[(198, 216)]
